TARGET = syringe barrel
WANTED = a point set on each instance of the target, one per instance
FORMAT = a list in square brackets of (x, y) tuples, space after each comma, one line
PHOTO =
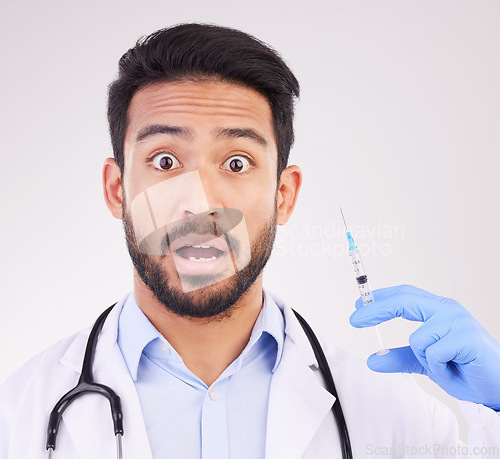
[(361, 277), (364, 290), (356, 263)]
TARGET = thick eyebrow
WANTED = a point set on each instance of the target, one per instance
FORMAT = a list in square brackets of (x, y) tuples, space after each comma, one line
[(154, 129), (243, 132)]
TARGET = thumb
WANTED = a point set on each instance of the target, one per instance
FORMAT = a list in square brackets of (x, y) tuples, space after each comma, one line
[(398, 360)]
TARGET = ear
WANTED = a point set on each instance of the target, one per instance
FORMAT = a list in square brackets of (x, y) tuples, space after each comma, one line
[(288, 191), (112, 187)]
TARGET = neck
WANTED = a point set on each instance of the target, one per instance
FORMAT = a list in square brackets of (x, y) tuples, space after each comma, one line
[(207, 347)]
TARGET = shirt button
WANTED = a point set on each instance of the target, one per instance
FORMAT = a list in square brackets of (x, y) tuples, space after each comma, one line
[(212, 393), (164, 348)]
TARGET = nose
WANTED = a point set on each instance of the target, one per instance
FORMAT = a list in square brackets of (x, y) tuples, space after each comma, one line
[(202, 197), (176, 198), (213, 211)]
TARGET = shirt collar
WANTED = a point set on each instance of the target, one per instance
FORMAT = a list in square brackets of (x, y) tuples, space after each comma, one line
[(135, 332), (271, 321)]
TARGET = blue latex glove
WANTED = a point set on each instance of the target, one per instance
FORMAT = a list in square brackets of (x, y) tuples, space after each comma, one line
[(450, 347)]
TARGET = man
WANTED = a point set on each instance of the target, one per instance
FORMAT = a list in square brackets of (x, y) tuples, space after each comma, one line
[(206, 363)]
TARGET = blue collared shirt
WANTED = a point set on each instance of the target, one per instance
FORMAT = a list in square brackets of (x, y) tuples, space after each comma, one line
[(184, 417)]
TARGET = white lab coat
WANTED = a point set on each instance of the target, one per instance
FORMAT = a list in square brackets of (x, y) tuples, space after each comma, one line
[(381, 411)]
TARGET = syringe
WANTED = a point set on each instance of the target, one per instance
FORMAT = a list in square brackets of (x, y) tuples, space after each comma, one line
[(362, 281)]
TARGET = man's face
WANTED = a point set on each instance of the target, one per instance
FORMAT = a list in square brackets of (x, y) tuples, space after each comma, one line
[(199, 185)]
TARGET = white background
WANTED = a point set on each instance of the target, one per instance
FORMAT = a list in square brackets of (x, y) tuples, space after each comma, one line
[(398, 122)]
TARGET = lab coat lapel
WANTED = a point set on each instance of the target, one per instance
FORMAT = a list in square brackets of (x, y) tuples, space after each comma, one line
[(298, 403), (88, 419)]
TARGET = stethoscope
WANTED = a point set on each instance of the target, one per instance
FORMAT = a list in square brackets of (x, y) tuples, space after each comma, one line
[(86, 384)]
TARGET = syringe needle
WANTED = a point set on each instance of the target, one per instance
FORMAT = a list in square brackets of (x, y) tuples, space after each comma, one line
[(342, 213)]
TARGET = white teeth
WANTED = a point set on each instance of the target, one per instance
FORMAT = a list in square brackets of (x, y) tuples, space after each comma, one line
[(201, 259), (201, 246)]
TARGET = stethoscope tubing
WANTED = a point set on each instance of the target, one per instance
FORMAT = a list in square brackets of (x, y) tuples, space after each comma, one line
[(345, 442), (87, 384)]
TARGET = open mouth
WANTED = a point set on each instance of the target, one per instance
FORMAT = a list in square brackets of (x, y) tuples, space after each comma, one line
[(199, 253)]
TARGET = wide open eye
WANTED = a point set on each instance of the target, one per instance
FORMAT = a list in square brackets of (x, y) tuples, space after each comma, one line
[(165, 161), (237, 164)]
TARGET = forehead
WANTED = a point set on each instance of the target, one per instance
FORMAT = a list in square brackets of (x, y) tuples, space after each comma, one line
[(199, 105)]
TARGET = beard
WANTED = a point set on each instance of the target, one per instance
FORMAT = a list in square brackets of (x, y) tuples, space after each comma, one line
[(215, 301)]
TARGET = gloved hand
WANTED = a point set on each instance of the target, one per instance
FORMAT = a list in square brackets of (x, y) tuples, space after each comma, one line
[(450, 347)]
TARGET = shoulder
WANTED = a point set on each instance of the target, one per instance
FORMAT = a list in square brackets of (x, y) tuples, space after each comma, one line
[(59, 361), (27, 397), (349, 369), (394, 396), (390, 395), (40, 373), (349, 373)]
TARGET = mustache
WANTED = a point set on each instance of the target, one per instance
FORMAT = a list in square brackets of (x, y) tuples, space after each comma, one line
[(214, 223)]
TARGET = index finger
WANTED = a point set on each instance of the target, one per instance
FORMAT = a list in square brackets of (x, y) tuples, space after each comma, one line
[(382, 293), (404, 301)]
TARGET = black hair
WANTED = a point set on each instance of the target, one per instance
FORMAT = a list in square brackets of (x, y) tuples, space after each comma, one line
[(198, 52)]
